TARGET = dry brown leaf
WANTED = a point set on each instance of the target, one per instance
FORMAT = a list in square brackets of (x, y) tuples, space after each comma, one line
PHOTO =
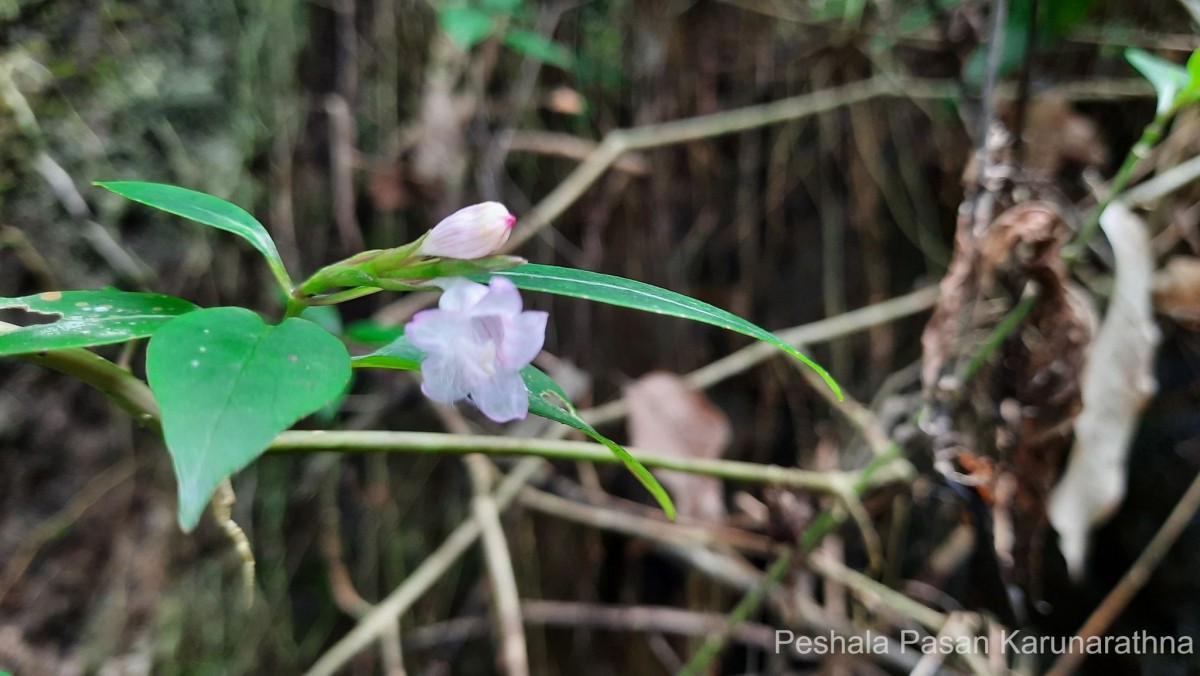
[(1018, 407), (1177, 289), (1055, 133), (566, 100), (667, 416), (388, 192), (1117, 382)]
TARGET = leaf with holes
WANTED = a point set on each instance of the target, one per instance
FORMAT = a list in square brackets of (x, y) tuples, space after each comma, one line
[(89, 318), (648, 298), (209, 210), (546, 399), (228, 383)]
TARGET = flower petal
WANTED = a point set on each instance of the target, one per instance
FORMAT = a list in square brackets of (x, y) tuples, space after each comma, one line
[(502, 398), (523, 338), (436, 331), (443, 379), (502, 299), (461, 294)]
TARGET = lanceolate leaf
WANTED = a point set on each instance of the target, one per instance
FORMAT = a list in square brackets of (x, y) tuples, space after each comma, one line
[(546, 399), (89, 318), (209, 210), (228, 383), (1167, 78), (640, 296)]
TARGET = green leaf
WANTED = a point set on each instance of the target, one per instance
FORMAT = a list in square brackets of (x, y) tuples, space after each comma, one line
[(371, 332), (466, 26), (536, 46), (228, 383), (1012, 52), (505, 7), (546, 399), (324, 316), (89, 318), (400, 354), (1167, 78), (1191, 93), (209, 210), (629, 293)]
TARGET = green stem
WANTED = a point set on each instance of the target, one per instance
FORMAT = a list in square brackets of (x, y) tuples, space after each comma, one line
[(867, 477), (1007, 325), (343, 296), (295, 306), (1150, 137), (368, 441), (135, 397), (741, 612)]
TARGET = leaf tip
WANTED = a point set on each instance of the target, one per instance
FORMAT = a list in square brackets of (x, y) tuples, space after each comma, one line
[(190, 511), (668, 507)]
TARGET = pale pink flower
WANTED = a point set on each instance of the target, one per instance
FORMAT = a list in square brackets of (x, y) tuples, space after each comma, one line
[(471, 232), (476, 343)]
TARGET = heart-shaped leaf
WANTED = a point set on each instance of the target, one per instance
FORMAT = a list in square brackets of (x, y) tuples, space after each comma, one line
[(209, 210), (228, 383), (630, 293), (546, 399), (89, 318)]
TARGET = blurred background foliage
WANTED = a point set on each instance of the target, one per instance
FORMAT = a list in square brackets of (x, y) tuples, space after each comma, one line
[(346, 125)]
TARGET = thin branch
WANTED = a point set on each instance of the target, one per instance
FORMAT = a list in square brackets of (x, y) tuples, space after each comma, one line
[(1163, 184), (572, 147), (421, 579), (55, 526), (342, 587), (620, 141), (371, 441), (798, 336), (513, 654), (497, 557), (637, 526), (878, 595), (1135, 578), (657, 619), (741, 612)]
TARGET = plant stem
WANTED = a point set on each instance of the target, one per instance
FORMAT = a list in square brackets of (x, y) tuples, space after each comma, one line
[(741, 612), (1150, 137), (295, 306), (1007, 325), (369, 441), (135, 397)]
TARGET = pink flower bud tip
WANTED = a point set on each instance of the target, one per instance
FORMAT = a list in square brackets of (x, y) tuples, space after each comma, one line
[(471, 232)]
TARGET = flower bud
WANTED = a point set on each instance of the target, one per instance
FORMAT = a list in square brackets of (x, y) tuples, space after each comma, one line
[(470, 232)]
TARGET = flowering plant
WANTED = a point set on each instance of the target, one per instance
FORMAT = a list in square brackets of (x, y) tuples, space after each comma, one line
[(225, 384)]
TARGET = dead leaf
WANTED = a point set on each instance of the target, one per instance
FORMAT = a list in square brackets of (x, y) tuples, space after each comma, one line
[(566, 101), (1117, 383), (1177, 289), (388, 192), (1018, 406), (667, 416), (1055, 133)]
